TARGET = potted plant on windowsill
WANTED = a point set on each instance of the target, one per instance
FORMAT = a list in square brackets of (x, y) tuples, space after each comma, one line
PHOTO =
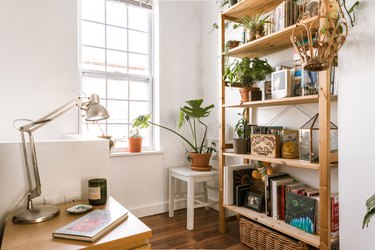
[(190, 114), (244, 73), (135, 138), (240, 144)]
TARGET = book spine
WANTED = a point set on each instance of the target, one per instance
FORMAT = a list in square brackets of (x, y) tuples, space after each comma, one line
[(334, 216), (267, 197), (282, 202)]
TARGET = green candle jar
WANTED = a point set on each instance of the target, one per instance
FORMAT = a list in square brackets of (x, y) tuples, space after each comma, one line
[(97, 191)]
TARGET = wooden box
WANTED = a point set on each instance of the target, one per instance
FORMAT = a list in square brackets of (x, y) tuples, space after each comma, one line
[(265, 145)]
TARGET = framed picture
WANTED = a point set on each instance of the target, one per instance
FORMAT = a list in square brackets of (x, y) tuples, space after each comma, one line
[(241, 192), (280, 84), (253, 201)]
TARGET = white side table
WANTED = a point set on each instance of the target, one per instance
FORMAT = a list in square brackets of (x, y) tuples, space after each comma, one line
[(190, 177)]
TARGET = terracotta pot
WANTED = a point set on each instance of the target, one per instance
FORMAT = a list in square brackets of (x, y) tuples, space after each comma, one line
[(200, 162), (245, 94), (135, 144)]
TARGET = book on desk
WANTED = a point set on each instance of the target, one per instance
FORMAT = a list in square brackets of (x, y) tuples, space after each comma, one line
[(91, 226)]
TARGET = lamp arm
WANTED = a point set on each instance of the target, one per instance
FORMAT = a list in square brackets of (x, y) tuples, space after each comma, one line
[(53, 115), (29, 152)]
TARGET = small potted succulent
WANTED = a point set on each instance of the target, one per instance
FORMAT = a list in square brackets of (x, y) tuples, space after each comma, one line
[(244, 73), (240, 144), (135, 138), (190, 114)]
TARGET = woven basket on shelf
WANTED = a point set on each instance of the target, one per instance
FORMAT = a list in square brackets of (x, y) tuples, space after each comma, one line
[(259, 237)]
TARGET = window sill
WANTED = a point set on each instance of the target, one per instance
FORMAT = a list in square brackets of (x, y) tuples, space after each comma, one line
[(127, 154)]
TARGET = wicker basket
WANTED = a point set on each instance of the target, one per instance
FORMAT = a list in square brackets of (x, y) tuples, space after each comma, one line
[(259, 237)]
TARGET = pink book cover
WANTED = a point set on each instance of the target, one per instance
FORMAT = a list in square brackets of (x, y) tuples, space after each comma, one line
[(91, 226)]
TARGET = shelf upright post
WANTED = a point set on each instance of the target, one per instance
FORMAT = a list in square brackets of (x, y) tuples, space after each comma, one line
[(222, 127), (324, 151)]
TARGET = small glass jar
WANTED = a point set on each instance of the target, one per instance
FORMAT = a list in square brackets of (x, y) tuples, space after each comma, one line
[(97, 191)]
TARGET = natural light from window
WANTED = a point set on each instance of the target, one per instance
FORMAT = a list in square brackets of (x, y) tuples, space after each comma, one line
[(116, 63)]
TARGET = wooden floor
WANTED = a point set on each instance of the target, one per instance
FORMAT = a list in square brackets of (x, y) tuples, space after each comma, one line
[(171, 233)]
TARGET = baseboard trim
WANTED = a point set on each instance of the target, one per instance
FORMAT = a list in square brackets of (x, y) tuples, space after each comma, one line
[(159, 208)]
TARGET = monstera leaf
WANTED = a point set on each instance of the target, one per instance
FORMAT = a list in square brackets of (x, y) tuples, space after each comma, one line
[(194, 110), (370, 204)]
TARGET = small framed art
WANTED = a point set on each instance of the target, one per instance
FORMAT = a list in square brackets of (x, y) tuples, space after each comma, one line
[(281, 84), (253, 201)]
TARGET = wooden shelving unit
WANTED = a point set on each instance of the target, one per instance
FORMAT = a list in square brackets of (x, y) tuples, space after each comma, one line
[(279, 225), (268, 44), (261, 47), (279, 102)]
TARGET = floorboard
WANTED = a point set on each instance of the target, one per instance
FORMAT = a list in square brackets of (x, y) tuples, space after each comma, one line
[(171, 233)]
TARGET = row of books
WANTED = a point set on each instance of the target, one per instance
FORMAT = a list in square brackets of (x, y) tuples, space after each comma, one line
[(285, 14), (282, 198), (297, 203)]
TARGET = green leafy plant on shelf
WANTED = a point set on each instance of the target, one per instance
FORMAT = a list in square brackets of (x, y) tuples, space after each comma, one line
[(245, 72), (255, 25)]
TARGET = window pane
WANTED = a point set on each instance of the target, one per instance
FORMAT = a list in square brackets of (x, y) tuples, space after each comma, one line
[(93, 84), (138, 64), (139, 90), (138, 42), (116, 38), (116, 13), (93, 58), (118, 111), (92, 129), (138, 18), (117, 61), (93, 10), (92, 34), (137, 109), (118, 88), (118, 131)]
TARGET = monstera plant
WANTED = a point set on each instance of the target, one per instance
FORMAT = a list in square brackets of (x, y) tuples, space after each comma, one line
[(191, 115), (370, 204)]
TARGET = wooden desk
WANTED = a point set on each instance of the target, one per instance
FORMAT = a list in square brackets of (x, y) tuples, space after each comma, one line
[(130, 234)]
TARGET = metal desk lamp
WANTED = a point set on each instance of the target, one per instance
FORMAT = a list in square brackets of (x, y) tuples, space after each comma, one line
[(36, 214)]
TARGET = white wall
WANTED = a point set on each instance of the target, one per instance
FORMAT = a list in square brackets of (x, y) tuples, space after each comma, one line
[(180, 69), (38, 66), (356, 138)]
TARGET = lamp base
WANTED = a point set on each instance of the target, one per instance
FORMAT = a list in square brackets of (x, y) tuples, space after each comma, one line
[(36, 214)]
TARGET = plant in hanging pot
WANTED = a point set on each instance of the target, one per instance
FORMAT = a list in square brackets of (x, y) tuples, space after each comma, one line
[(244, 73), (240, 144), (191, 115)]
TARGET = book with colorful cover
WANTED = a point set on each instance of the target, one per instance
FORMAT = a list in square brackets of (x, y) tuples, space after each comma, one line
[(92, 226), (300, 212)]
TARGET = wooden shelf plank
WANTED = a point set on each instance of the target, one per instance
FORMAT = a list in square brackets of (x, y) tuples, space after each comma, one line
[(290, 162), (250, 7), (279, 225), (268, 44), (279, 102)]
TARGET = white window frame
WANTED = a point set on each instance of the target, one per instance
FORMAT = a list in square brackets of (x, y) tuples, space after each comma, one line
[(125, 76)]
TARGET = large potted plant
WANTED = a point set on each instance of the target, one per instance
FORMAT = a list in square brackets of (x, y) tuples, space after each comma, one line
[(245, 72), (191, 115), (240, 144)]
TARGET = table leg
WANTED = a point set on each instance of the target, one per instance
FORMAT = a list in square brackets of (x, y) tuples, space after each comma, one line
[(171, 194), (205, 194), (190, 205)]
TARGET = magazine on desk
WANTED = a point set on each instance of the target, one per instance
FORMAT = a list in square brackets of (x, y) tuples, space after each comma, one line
[(92, 226)]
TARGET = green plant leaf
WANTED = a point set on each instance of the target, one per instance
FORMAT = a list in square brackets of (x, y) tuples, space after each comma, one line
[(353, 7), (370, 206)]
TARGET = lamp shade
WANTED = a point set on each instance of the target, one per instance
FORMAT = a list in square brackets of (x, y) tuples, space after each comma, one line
[(95, 111)]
